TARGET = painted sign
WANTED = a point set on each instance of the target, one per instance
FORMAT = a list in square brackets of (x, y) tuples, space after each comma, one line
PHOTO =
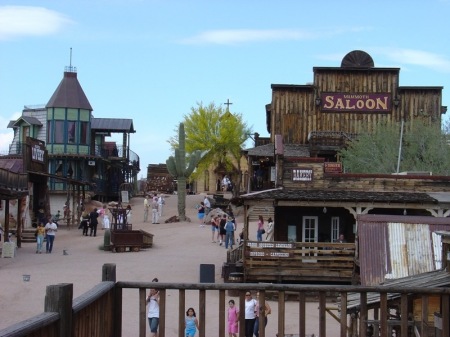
[(302, 174), (268, 254), (356, 102), (37, 153), (332, 167), (261, 244)]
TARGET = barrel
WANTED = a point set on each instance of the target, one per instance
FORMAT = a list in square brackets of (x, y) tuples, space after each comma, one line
[(235, 278)]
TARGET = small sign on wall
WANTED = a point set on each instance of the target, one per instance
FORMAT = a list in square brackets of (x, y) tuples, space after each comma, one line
[(332, 167), (302, 174)]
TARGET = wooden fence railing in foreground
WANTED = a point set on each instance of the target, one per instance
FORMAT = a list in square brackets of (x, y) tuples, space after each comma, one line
[(98, 313)]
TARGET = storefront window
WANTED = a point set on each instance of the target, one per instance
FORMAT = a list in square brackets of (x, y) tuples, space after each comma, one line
[(83, 133), (59, 132), (71, 132)]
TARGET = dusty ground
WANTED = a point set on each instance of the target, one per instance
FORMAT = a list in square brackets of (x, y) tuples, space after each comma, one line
[(178, 251)]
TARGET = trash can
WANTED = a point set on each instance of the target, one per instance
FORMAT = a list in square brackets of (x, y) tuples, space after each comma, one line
[(207, 273), (235, 278)]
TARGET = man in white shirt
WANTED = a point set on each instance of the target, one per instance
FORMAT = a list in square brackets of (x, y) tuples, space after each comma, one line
[(146, 207), (50, 230)]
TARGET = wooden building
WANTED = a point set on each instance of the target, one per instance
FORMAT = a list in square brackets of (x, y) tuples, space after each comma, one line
[(78, 146), (303, 187)]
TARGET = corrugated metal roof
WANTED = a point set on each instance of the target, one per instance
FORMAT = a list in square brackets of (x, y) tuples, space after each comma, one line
[(392, 247), (434, 279), (69, 94), (112, 125)]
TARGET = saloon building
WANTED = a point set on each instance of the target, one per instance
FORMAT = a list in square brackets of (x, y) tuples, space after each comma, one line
[(388, 221)]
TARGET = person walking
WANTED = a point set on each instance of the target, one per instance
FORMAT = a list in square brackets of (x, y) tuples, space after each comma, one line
[(233, 319), (250, 309), (214, 228), (50, 231), (106, 222), (260, 311), (146, 208), (161, 203), (155, 217), (40, 234), (93, 222), (190, 323), (270, 228), (207, 205), (153, 311), (222, 231), (84, 224), (229, 229), (260, 230), (201, 213)]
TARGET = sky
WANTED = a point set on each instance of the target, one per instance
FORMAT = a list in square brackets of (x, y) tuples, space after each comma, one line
[(154, 60)]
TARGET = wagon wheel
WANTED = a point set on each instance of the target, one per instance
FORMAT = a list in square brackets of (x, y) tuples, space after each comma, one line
[(135, 249), (120, 249)]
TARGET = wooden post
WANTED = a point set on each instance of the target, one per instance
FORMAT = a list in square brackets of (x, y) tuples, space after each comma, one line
[(118, 312), (58, 298), (363, 315), (302, 311), (322, 314), (19, 223), (222, 312), (109, 272), (281, 312), (142, 311), (343, 314), (181, 304)]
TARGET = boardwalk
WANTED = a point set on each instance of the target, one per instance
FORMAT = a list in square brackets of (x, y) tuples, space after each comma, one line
[(178, 250)]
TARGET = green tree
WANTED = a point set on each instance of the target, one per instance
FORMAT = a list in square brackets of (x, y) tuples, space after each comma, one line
[(219, 135), (424, 148)]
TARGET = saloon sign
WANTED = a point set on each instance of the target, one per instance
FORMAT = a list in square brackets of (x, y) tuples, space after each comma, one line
[(356, 102), (37, 153)]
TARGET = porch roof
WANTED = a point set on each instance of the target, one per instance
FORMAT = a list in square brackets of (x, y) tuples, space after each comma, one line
[(433, 279), (330, 195), (290, 150)]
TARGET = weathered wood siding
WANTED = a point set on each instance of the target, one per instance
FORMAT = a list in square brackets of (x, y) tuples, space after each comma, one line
[(361, 182), (294, 113)]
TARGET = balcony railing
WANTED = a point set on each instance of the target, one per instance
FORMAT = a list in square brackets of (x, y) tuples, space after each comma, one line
[(99, 312)]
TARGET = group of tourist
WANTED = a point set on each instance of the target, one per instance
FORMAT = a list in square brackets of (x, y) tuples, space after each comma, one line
[(156, 204), (253, 310), (260, 231)]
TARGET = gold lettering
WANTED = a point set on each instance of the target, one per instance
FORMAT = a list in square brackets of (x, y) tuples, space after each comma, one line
[(348, 106), (360, 104), (339, 104), (381, 104), (329, 100), (370, 103)]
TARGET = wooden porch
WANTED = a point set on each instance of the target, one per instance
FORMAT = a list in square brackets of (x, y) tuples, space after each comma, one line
[(296, 262)]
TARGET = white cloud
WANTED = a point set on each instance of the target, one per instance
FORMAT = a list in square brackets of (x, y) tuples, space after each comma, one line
[(232, 36), (17, 21), (417, 57)]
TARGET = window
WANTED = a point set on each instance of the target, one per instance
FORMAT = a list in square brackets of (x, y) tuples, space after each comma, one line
[(59, 132), (84, 133), (335, 229), (71, 132), (49, 132)]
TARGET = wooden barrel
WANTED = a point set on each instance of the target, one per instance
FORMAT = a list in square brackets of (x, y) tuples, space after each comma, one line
[(235, 278)]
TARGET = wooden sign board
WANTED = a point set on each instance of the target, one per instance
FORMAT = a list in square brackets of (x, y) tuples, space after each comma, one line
[(332, 167), (9, 249)]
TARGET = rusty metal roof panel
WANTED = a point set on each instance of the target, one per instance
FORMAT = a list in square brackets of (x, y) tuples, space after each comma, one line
[(397, 249)]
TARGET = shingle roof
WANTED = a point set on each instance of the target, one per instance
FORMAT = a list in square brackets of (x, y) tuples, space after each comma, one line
[(112, 125), (27, 119), (290, 150), (69, 94), (329, 195)]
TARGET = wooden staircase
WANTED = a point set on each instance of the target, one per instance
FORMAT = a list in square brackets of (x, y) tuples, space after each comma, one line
[(28, 235)]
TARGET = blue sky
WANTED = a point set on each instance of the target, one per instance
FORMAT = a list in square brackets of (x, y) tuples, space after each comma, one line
[(152, 60)]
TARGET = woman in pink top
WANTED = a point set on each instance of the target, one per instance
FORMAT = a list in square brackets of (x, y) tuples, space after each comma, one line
[(259, 232), (233, 319)]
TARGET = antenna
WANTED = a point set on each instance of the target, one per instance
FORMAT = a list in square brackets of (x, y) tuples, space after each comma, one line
[(70, 62)]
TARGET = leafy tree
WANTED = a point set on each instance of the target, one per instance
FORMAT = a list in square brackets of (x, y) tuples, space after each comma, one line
[(424, 148), (219, 135)]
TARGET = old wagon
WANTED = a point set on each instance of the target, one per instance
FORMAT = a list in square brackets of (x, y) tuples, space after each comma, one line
[(130, 240)]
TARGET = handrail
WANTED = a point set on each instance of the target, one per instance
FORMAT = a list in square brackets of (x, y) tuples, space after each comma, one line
[(105, 300)]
